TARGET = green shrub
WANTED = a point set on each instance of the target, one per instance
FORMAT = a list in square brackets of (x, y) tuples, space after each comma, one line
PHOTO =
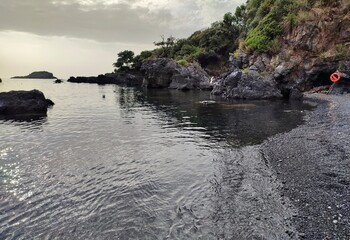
[(189, 52), (236, 53), (257, 41), (342, 50), (290, 20), (182, 62), (261, 38), (323, 55)]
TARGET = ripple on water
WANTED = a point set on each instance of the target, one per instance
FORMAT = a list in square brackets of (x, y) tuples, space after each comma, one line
[(137, 165)]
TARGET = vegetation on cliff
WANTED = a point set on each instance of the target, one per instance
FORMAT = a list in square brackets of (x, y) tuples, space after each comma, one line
[(255, 27), (205, 46)]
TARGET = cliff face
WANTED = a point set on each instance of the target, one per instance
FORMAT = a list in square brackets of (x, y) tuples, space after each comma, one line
[(315, 48), (310, 50)]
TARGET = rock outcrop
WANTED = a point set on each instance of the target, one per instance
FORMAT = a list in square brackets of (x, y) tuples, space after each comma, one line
[(39, 75), (167, 73), (249, 85), (128, 79), (24, 102), (309, 52)]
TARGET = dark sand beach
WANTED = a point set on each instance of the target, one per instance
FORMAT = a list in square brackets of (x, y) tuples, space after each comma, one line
[(312, 162)]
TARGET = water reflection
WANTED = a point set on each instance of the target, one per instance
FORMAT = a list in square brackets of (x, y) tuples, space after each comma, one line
[(26, 122), (236, 122), (28, 118)]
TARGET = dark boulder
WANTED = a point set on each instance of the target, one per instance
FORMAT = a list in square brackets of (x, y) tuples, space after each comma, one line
[(249, 85), (58, 81), (167, 73), (24, 102)]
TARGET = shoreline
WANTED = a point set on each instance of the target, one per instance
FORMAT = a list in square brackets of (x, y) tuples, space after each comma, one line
[(312, 163)]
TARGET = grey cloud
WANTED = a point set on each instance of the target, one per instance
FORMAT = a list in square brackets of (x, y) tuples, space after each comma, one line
[(116, 23)]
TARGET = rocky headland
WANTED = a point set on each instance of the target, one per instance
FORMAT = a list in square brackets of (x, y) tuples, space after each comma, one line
[(38, 75), (24, 102), (279, 54)]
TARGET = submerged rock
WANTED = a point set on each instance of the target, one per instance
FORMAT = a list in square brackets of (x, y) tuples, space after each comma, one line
[(167, 73), (24, 102)]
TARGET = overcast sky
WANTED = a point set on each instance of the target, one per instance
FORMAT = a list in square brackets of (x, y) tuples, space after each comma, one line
[(83, 37)]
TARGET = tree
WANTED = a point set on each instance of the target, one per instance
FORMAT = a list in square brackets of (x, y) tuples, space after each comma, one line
[(125, 60), (166, 45), (139, 59)]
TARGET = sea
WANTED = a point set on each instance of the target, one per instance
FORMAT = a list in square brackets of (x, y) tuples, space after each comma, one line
[(112, 162)]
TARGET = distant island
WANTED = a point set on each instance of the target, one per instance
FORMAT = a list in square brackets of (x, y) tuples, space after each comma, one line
[(38, 75)]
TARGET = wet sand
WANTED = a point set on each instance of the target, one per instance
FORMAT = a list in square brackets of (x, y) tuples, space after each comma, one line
[(313, 164)]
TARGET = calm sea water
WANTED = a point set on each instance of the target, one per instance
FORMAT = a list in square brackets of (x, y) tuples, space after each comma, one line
[(133, 165)]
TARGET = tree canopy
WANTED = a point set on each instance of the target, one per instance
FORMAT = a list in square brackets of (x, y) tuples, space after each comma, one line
[(124, 60)]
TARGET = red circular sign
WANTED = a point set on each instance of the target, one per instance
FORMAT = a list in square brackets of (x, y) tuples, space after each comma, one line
[(335, 77)]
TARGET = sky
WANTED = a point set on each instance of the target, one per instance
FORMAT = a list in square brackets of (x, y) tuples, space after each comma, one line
[(83, 37)]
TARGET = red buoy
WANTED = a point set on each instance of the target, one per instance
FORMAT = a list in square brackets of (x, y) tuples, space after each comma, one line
[(335, 77)]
